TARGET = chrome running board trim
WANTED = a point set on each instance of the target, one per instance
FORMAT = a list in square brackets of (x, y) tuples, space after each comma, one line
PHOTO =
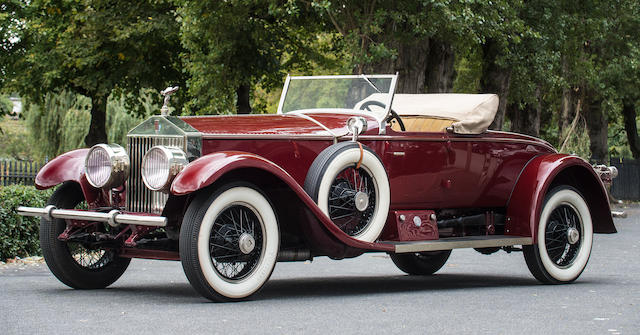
[(460, 242)]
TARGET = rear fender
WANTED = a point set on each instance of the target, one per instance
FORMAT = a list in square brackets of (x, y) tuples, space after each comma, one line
[(543, 173), (208, 169), (68, 167)]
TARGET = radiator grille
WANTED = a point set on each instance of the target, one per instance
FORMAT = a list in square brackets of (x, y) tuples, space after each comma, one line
[(139, 197)]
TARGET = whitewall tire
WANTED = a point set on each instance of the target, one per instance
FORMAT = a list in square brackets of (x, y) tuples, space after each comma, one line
[(564, 238), (229, 242), (354, 196)]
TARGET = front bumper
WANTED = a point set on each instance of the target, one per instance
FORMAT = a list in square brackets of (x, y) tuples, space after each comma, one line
[(113, 218)]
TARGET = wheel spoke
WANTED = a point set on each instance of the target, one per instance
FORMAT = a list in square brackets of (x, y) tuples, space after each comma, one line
[(228, 260), (560, 251)]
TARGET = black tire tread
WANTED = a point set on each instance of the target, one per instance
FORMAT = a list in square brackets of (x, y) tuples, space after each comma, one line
[(412, 265), (56, 253)]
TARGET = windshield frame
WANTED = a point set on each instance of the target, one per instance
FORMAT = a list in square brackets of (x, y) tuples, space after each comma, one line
[(381, 120)]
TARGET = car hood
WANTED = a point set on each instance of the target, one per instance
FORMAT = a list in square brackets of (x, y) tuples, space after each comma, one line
[(321, 125)]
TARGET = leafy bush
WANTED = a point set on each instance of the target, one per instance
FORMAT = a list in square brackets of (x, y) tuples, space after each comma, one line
[(19, 234)]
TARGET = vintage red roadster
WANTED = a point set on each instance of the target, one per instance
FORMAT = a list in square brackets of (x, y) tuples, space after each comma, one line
[(345, 167)]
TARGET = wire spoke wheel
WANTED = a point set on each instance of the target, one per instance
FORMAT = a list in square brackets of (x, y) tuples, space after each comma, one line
[(236, 242), (564, 238), (89, 258), (352, 200), (229, 241), (564, 222)]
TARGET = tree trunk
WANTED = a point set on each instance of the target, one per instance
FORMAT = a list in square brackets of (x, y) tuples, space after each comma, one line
[(527, 120), (597, 128), (440, 67), (567, 111), (495, 79), (411, 65), (97, 131), (243, 105), (629, 113), (568, 106)]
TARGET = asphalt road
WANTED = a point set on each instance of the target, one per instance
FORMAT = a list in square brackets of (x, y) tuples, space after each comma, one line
[(473, 293)]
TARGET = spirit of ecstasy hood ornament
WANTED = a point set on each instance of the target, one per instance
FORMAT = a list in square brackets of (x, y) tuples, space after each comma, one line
[(167, 92)]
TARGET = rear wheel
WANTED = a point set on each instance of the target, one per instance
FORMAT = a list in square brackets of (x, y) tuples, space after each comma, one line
[(73, 263), (229, 242), (565, 236), (421, 263)]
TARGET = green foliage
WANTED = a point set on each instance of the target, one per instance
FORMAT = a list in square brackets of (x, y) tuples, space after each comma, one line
[(120, 121), (241, 43), (62, 123), (96, 48), (15, 140), (6, 106), (19, 234)]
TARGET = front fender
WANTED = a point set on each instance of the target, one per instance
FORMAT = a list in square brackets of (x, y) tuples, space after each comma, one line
[(205, 170), (67, 167), (539, 176)]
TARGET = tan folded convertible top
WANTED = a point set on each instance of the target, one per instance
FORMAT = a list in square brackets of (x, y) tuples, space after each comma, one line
[(472, 113)]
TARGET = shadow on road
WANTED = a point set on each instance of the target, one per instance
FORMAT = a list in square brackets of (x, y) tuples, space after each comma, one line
[(303, 288), (359, 285)]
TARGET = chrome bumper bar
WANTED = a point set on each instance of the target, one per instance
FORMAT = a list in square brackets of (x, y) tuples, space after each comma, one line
[(113, 218)]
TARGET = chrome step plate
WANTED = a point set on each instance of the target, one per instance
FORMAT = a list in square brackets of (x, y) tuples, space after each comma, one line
[(460, 242)]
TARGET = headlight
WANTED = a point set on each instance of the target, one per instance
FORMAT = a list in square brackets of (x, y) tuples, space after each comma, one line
[(106, 166), (160, 165)]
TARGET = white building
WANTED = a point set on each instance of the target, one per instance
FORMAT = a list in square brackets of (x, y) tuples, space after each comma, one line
[(17, 106)]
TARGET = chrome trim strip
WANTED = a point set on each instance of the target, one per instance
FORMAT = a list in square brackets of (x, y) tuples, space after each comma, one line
[(111, 217), (461, 242), (446, 139), (309, 118), (266, 137)]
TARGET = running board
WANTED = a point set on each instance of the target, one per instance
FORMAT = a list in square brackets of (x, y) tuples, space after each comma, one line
[(460, 242)]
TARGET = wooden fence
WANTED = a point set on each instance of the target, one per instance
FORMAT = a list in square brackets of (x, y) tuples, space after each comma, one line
[(18, 172), (627, 185)]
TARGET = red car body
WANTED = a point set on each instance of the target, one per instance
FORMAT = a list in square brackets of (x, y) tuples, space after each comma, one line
[(494, 170), (485, 190)]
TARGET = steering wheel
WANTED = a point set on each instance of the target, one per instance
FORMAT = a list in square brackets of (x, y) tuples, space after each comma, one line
[(393, 115)]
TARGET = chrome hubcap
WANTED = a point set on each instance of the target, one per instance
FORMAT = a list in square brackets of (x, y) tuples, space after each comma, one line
[(573, 235), (362, 201), (247, 243)]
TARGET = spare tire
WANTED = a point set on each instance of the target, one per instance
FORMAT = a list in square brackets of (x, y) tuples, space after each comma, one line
[(350, 185)]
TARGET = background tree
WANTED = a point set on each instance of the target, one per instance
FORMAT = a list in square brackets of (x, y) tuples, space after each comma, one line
[(418, 39), (233, 46), (95, 48)]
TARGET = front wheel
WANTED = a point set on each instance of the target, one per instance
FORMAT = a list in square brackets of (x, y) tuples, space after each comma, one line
[(74, 264), (229, 242), (421, 263), (565, 236)]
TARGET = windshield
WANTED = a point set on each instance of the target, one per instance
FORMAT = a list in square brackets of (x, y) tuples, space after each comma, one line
[(337, 93)]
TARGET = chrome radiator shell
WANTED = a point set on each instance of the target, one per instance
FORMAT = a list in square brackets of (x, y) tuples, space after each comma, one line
[(157, 130)]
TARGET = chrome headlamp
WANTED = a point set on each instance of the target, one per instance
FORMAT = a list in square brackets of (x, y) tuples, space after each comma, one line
[(160, 165), (106, 165)]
